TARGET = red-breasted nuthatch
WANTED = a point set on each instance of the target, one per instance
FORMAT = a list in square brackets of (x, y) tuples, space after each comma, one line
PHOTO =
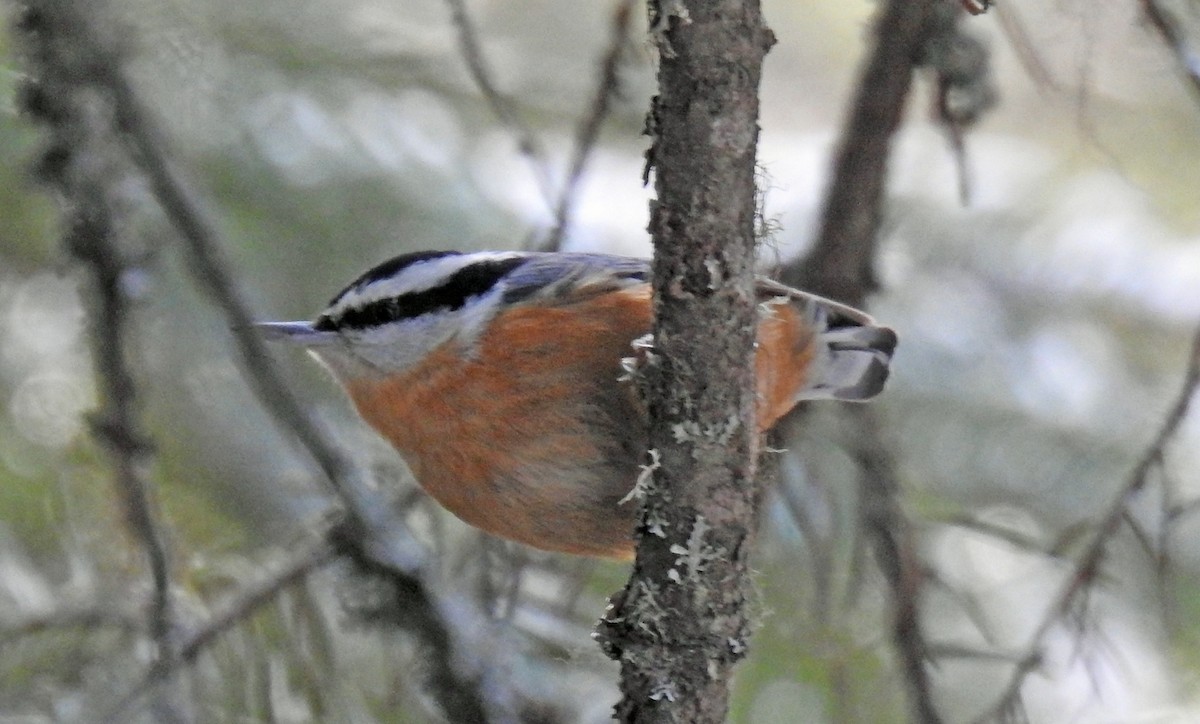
[(499, 378)]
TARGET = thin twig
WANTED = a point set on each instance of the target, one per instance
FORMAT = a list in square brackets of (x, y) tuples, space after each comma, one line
[(1189, 59), (301, 561), (1013, 25), (1084, 574), (64, 616), (961, 69), (890, 533), (89, 179), (116, 424), (1014, 538), (607, 86), (502, 106)]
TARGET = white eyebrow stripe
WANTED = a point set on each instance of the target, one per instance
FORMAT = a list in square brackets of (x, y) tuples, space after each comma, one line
[(414, 279)]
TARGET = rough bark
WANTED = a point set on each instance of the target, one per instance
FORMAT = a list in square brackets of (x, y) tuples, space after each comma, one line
[(682, 621)]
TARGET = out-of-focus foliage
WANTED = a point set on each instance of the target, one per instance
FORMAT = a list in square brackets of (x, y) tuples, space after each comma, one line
[(1044, 328)]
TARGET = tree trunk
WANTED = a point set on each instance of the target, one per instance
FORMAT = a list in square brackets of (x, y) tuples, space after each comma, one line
[(681, 623)]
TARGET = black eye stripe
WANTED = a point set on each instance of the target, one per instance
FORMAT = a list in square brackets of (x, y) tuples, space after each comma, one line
[(470, 281)]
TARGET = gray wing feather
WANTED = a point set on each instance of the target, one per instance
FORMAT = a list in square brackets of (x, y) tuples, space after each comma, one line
[(558, 275), (853, 355)]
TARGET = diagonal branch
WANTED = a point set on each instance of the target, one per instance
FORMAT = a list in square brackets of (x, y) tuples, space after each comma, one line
[(840, 264), (589, 129), (371, 529), (1168, 29), (891, 536), (374, 531), (502, 106), (1087, 568)]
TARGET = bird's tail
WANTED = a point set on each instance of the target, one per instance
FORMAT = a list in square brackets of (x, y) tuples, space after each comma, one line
[(852, 352)]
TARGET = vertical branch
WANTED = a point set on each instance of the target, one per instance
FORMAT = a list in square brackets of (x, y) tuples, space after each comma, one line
[(83, 164), (116, 423), (681, 622)]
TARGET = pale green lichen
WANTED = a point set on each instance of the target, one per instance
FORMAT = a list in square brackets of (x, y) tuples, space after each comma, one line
[(647, 614), (656, 526), (644, 478), (720, 433), (643, 356), (686, 431), (724, 433)]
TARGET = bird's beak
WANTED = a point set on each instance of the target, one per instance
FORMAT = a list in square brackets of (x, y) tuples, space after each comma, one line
[(298, 333)]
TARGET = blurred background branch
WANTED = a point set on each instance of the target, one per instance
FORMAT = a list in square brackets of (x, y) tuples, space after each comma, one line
[(300, 563), (889, 531), (841, 265), (505, 110), (1070, 606), (371, 534), (81, 166), (607, 86), (1176, 41)]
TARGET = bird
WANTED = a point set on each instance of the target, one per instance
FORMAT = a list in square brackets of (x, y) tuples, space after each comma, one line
[(501, 378)]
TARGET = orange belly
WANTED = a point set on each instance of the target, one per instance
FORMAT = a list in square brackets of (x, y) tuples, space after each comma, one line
[(532, 437)]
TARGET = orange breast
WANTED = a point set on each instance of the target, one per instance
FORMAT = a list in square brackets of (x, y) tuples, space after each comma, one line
[(782, 362), (533, 438)]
